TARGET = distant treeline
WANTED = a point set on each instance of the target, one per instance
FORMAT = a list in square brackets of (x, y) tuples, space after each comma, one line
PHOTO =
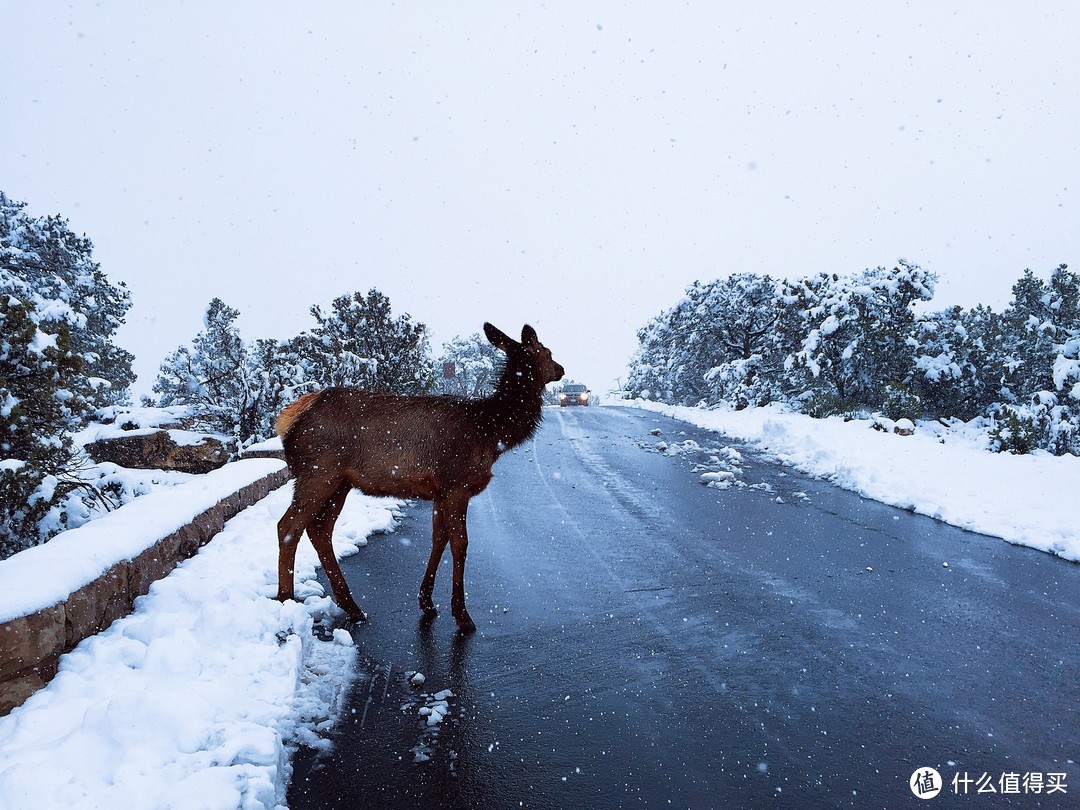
[(851, 344)]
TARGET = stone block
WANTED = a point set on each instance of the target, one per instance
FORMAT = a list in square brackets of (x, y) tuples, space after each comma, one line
[(153, 564), (26, 641), (97, 604), (15, 691)]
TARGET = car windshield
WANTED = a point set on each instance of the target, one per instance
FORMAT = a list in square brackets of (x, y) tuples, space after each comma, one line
[(574, 389)]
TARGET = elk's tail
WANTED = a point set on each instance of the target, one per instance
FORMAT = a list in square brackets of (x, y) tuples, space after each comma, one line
[(292, 412)]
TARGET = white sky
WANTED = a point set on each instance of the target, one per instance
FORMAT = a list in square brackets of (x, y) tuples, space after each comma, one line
[(571, 165)]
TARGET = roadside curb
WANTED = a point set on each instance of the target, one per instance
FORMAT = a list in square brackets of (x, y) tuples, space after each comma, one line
[(31, 645)]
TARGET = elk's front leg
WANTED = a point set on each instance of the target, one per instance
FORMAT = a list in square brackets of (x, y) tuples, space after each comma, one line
[(440, 536), (459, 546)]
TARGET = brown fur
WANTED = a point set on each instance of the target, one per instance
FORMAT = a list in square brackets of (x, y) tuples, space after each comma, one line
[(438, 448), (292, 412)]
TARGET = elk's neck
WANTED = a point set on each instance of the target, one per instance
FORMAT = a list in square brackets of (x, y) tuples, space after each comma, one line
[(516, 408)]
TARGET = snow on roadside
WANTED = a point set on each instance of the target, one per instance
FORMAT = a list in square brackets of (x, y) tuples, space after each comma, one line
[(947, 474), (44, 575), (196, 698)]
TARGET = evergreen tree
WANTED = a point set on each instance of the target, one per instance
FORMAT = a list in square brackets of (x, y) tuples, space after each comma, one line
[(1037, 327), (277, 376), (853, 336), (739, 314), (959, 363), (58, 266), (1039, 366), (655, 368), (58, 315), (234, 388), (475, 366), (213, 375), (40, 407), (361, 343)]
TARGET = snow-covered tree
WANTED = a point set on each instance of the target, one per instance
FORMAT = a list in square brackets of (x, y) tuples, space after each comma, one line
[(276, 376), (739, 316), (851, 337), (1039, 361), (58, 267), (650, 365), (1037, 326), (716, 344), (470, 366), (235, 388), (211, 373), (361, 343), (957, 369), (41, 405), (58, 315)]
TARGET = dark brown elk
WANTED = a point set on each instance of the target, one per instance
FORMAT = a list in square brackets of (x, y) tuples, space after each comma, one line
[(437, 448)]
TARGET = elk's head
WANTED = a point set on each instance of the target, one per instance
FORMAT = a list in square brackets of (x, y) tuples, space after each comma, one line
[(530, 353)]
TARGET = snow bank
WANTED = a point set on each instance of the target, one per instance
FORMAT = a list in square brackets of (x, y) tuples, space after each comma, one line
[(121, 421), (196, 698), (947, 474), (42, 576)]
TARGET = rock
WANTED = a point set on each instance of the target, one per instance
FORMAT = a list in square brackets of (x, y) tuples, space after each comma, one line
[(159, 451), (904, 427)]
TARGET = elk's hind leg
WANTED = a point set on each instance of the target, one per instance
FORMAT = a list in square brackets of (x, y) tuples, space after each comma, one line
[(321, 532), (306, 503), (456, 520)]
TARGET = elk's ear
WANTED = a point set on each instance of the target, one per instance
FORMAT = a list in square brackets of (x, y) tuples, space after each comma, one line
[(497, 338), (528, 334)]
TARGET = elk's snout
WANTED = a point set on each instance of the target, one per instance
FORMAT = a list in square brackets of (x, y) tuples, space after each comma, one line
[(557, 373)]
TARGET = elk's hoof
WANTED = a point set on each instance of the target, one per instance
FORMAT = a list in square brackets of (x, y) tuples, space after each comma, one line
[(356, 616), (465, 624)]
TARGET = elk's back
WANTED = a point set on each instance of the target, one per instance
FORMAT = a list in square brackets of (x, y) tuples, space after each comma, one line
[(385, 444)]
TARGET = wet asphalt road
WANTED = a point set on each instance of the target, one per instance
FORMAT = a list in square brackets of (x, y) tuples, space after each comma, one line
[(645, 640)]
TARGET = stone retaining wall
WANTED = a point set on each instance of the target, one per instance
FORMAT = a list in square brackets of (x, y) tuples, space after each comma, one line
[(31, 646)]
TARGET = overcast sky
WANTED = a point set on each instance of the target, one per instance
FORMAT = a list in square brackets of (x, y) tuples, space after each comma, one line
[(571, 165)]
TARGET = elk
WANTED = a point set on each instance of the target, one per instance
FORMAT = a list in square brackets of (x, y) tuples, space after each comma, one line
[(437, 448)]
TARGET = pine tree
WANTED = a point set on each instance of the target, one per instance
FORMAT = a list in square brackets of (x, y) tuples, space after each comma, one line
[(212, 375), (654, 366), (472, 364), (957, 369), (740, 314), (276, 376), (851, 338), (1040, 365), (40, 408), (58, 315), (59, 268), (1037, 325), (718, 344), (361, 343)]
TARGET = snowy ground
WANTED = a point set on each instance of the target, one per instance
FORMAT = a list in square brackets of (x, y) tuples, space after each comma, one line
[(946, 473), (196, 698)]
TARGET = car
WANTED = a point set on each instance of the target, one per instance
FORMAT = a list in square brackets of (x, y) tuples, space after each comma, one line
[(573, 394)]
